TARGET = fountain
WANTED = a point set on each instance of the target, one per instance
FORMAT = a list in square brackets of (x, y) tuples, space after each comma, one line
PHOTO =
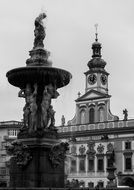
[(37, 156)]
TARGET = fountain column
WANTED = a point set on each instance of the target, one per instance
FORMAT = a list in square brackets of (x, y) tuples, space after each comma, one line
[(37, 154)]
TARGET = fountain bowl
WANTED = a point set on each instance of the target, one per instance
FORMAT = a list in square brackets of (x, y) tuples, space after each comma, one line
[(44, 75)]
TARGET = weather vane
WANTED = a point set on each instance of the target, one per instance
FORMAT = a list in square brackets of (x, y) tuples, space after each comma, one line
[(96, 27)]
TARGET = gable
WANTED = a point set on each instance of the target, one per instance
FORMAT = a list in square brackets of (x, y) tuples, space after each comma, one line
[(92, 94)]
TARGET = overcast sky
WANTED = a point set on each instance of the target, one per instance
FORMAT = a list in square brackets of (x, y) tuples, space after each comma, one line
[(70, 33)]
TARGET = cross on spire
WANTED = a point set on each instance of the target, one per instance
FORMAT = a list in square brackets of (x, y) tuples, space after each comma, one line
[(96, 27)]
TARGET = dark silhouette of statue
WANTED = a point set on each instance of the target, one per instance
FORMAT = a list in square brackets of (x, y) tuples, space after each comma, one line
[(125, 112), (39, 31)]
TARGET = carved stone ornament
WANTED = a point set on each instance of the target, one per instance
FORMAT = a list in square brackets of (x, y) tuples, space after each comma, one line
[(20, 152), (82, 150), (73, 150), (100, 148), (58, 153), (110, 147), (91, 152)]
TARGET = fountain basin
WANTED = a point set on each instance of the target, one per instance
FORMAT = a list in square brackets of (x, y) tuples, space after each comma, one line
[(19, 77)]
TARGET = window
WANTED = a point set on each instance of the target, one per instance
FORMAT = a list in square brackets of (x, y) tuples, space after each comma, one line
[(82, 165), (3, 171), (128, 163), (127, 145), (101, 184), (108, 162), (100, 164), (73, 166), (91, 164), (91, 115), (12, 133), (101, 114), (90, 185), (82, 115)]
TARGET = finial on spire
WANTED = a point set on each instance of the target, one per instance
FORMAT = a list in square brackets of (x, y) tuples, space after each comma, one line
[(96, 27)]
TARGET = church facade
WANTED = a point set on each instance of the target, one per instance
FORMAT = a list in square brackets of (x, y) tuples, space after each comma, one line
[(95, 135)]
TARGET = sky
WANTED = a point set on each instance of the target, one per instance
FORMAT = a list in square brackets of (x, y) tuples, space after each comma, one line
[(70, 33)]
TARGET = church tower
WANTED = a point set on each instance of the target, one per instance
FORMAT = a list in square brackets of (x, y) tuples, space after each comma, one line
[(94, 105), (97, 76)]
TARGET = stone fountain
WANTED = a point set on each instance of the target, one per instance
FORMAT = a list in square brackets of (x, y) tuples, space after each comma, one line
[(37, 156)]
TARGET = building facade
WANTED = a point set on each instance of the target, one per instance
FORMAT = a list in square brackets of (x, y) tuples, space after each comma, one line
[(95, 134), (8, 133)]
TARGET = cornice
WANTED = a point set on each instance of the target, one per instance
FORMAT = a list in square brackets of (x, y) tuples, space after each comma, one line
[(108, 131)]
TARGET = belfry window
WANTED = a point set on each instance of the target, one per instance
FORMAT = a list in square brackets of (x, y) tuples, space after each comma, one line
[(91, 115), (82, 117)]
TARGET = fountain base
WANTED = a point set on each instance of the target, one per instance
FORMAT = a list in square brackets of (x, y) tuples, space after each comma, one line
[(38, 163)]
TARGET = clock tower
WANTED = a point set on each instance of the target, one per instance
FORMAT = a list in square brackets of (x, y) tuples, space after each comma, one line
[(97, 76)]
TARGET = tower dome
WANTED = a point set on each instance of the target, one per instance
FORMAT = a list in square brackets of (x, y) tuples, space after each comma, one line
[(96, 62)]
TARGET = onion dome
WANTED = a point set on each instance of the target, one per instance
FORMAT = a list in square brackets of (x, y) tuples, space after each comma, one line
[(96, 61)]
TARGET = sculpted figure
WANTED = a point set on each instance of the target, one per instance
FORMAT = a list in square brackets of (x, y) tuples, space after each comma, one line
[(46, 101), (47, 112), (62, 120), (26, 93), (51, 119), (33, 109), (125, 112), (39, 31)]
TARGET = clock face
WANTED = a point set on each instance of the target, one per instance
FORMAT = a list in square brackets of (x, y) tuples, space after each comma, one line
[(103, 79), (92, 79)]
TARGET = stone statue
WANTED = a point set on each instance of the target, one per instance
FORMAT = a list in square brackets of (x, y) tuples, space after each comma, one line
[(39, 31), (46, 101), (58, 153), (33, 110), (125, 112), (62, 120), (51, 119), (47, 112), (26, 93)]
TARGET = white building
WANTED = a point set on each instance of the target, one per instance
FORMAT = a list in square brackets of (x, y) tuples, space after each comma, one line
[(95, 133)]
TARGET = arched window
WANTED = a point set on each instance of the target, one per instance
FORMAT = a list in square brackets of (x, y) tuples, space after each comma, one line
[(82, 117), (91, 115), (101, 114)]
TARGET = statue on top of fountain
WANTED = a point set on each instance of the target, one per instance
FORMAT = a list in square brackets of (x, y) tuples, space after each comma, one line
[(39, 31)]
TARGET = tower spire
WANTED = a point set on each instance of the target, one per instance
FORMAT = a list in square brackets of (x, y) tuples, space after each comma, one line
[(96, 33)]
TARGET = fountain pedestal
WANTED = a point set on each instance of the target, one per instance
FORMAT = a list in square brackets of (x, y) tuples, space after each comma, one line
[(37, 154), (40, 170)]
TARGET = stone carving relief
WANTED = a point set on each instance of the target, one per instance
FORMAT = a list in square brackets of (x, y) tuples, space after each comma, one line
[(73, 150), (91, 151), (82, 150), (110, 147), (100, 148), (20, 152), (58, 153)]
